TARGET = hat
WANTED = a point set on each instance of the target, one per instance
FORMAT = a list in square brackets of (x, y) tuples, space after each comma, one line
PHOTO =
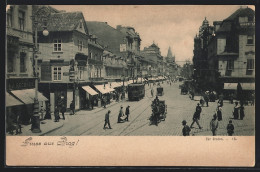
[(128, 106), (109, 111), (184, 122), (121, 106), (198, 104)]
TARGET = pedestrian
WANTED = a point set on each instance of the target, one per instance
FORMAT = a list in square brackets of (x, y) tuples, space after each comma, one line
[(196, 116), (72, 108), (121, 113), (231, 98), (92, 103), (63, 110), (107, 120), (48, 111), (104, 102), (152, 92), (219, 113), (56, 114), (18, 124), (186, 129), (230, 128), (206, 98), (41, 112), (242, 112), (235, 111), (214, 125), (127, 112)]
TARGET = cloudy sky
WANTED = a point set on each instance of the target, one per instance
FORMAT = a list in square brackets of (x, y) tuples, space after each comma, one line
[(166, 25)]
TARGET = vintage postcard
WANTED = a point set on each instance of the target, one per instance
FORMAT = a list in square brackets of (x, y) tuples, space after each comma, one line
[(130, 85)]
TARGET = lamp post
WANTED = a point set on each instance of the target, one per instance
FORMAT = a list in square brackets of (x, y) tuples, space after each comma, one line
[(35, 128)]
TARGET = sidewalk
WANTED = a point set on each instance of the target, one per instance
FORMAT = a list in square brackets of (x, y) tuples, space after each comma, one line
[(46, 126)]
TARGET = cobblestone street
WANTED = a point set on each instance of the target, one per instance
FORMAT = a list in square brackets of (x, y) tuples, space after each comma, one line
[(180, 107)]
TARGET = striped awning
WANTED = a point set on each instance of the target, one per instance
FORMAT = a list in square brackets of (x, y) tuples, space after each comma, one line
[(104, 90), (90, 90), (27, 96), (248, 86), (11, 100), (230, 86)]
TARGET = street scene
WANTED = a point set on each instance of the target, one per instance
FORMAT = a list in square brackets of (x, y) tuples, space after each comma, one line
[(70, 74)]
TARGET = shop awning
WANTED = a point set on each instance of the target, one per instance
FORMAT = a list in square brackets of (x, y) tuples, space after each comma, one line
[(90, 90), (248, 86), (230, 86), (103, 90), (115, 85), (11, 100), (27, 96)]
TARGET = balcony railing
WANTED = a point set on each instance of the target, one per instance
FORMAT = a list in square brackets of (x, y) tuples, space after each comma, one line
[(247, 24), (96, 78)]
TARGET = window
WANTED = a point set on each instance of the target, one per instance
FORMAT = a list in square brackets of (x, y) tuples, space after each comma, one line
[(250, 39), (21, 20), (80, 25), (90, 55), (250, 64), (230, 64), (10, 17), (22, 62), (10, 64), (56, 73), (81, 72), (80, 45), (57, 45)]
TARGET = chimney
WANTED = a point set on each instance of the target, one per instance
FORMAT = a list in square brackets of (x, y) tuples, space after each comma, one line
[(119, 27)]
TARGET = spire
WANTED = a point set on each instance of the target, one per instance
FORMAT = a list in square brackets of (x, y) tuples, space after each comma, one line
[(169, 55)]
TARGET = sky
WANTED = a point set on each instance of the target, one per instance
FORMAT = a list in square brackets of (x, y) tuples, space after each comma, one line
[(172, 26)]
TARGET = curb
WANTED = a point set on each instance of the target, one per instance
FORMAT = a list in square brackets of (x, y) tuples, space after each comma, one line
[(51, 130)]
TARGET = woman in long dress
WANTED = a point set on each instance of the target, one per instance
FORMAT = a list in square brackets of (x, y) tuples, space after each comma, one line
[(236, 110)]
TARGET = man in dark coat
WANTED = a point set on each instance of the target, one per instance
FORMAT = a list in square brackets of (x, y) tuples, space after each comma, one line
[(206, 98), (72, 108), (56, 114), (196, 116), (230, 128), (107, 120), (186, 129), (121, 113), (63, 110), (127, 112)]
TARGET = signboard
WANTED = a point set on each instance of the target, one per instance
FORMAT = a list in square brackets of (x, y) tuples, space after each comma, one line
[(21, 83), (46, 72), (122, 47)]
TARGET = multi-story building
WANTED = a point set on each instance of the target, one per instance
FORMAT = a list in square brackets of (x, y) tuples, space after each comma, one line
[(20, 78), (200, 58), (153, 53), (232, 51), (63, 56)]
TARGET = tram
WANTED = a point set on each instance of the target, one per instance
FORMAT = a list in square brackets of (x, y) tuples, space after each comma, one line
[(136, 91)]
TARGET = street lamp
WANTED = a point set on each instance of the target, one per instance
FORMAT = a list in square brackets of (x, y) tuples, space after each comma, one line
[(35, 128)]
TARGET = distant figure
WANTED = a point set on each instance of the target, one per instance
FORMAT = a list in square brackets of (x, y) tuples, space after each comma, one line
[(72, 108), (63, 110), (214, 125), (242, 112), (152, 92), (186, 129), (196, 116), (107, 120), (156, 101), (48, 111), (121, 113), (41, 112), (206, 98), (230, 128), (219, 113), (56, 114), (127, 112), (235, 111), (18, 124)]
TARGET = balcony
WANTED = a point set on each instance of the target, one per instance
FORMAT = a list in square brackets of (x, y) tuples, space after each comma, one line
[(96, 79), (247, 24)]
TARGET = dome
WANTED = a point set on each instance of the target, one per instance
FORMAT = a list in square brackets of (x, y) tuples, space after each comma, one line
[(205, 22)]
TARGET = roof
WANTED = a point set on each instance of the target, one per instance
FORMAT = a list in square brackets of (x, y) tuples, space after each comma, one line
[(67, 21), (225, 27), (109, 37), (241, 12)]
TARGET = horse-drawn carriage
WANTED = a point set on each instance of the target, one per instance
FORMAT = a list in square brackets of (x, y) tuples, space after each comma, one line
[(184, 90), (160, 91), (159, 111)]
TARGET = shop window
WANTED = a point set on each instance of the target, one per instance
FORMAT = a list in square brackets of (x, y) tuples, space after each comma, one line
[(57, 45), (57, 73), (21, 20)]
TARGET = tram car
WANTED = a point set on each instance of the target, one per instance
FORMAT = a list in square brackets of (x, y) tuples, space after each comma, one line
[(135, 91), (160, 91)]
